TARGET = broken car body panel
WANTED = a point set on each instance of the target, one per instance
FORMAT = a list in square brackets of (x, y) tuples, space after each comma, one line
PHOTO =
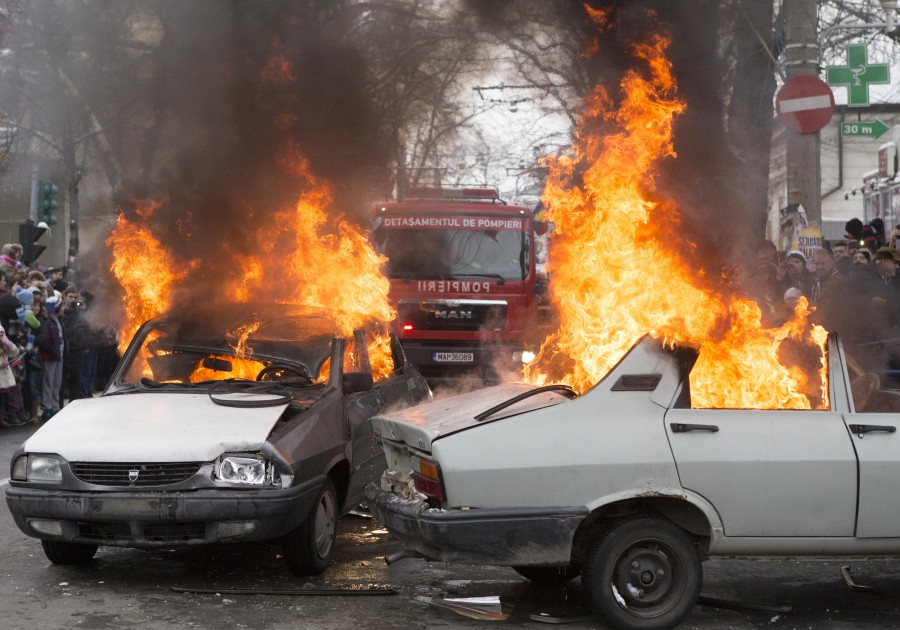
[(186, 447), (748, 482)]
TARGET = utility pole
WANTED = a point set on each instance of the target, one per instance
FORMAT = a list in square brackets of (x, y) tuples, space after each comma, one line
[(801, 53)]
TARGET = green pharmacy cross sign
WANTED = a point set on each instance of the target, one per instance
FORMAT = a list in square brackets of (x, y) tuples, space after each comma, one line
[(857, 75)]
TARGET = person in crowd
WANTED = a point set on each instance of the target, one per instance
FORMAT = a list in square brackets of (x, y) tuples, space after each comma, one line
[(35, 281), (55, 280), (828, 292), (797, 274), (862, 257), (8, 352), (788, 304), (887, 263), (11, 253), (32, 317), (853, 230), (76, 334), (52, 342), (877, 224), (842, 257), (869, 238), (14, 406), (895, 237), (765, 289)]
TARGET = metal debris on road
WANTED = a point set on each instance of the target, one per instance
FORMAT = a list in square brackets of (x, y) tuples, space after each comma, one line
[(727, 604), (562, 620), (845, 571), (300, 591), (483, 608)]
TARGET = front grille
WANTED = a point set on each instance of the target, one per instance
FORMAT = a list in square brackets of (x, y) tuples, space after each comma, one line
[(454, 315), (116, 474), (105, 531), (175, 531)]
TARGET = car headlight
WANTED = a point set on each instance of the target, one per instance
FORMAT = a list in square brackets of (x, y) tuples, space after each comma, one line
[(38, 468), (246, 470)]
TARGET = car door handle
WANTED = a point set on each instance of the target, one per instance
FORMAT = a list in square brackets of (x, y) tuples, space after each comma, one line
[(860, 429), (679, 427)]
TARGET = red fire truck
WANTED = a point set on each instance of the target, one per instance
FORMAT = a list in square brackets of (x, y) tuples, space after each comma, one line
[(461, 263)]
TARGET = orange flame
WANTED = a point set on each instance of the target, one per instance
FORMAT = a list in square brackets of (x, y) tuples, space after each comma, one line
[(609, 292), (331, 265), (144, 269)]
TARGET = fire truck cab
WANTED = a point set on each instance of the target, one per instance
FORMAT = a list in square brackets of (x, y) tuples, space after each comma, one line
[(461, 263)]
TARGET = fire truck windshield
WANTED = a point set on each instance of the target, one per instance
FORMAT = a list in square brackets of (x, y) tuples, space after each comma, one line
[(426, 253)]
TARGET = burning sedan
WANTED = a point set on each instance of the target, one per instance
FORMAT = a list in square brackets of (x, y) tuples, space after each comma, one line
[(633, 486), (239, 423)]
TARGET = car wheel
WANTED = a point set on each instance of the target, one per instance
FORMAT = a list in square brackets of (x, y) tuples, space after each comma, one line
[(643, 573), (67, 552), (308, 548), (550, 576)]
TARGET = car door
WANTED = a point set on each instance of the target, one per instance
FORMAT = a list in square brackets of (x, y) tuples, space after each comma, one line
[(877, 444), (366, 456), (768, 473), (872, 422)]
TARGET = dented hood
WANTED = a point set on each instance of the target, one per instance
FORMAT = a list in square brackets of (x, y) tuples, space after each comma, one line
[(419, 426), (153, 427)]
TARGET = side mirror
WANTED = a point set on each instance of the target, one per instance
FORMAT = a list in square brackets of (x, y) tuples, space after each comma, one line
[(540, 228), (357, 382)]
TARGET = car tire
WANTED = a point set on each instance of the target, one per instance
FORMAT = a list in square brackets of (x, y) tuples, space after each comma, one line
[(68, 553), (643, 573), (550, 576), (308, 548)]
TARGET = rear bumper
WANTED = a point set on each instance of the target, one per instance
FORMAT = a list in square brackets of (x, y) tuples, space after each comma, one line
[(162, 519), (504, 537)]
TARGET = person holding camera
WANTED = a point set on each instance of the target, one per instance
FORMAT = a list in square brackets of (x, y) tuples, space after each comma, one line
[(76, 334)]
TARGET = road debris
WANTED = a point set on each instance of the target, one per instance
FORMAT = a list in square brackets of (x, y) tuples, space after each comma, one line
[(845, 572), (488, 608), (292, 592), (727, 604)]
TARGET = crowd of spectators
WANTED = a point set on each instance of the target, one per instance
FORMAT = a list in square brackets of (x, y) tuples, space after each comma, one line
[(49, 352), (852, 285)]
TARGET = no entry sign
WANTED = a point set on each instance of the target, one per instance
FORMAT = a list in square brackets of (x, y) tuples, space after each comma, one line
[(804, 104)]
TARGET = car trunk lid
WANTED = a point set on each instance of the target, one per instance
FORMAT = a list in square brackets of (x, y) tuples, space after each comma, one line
[(419, 426)]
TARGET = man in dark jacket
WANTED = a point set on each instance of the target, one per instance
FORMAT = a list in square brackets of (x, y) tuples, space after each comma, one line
[(76, 333)]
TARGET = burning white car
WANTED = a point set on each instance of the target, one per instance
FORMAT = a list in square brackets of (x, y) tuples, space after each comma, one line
[(234, 424), (631, 486)]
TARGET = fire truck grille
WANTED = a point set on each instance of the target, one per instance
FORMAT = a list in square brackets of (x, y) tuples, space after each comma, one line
[(454, 315), (116, 474)]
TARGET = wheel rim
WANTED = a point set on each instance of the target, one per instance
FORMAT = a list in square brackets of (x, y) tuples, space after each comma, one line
[(325, 525), (648, 578)]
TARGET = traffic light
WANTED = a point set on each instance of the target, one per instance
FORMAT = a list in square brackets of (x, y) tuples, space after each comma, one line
[(47, 205), (29, 233)]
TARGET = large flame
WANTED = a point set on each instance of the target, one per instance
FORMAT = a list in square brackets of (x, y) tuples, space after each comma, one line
[(617, 274), (331, 265)]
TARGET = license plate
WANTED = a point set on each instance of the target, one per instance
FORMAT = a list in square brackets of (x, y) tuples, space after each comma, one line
[(454, 357)]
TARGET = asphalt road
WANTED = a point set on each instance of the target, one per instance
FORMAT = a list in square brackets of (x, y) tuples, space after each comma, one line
[(129, 588)]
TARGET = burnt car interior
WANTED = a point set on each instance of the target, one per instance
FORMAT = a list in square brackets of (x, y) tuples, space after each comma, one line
[(290, 349)]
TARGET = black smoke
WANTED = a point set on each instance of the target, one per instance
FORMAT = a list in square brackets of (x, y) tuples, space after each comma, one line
[(245, 88)]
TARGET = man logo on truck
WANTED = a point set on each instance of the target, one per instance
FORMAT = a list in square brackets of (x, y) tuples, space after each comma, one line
[(453, 314)]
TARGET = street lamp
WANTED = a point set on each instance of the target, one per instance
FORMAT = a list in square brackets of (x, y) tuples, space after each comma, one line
[(888, 6)]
